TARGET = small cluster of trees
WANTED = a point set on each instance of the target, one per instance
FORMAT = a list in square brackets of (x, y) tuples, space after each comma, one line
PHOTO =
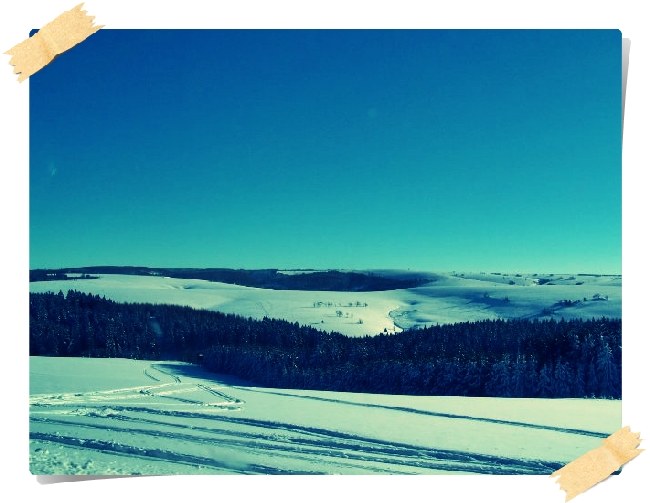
[(514, 358), (318, 303)]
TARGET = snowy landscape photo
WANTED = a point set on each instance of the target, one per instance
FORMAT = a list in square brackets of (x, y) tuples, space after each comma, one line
[(325, 252)]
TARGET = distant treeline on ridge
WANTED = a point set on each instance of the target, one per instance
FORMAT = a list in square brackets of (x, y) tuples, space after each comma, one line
[(503, 358), (331, 280)]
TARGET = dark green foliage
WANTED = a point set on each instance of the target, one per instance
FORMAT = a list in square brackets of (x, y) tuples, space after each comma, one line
[(515, 358)]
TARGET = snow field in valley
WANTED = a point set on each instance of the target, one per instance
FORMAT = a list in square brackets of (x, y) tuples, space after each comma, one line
[(453, 298)]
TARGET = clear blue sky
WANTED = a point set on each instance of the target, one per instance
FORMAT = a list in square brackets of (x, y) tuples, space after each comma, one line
[(432, 150)]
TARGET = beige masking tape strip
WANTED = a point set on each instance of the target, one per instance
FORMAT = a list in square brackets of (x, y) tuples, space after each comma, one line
[(598, 464), (54, 38)]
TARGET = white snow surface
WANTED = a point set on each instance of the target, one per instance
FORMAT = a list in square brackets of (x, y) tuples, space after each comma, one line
[(118, 416), (452, 298)]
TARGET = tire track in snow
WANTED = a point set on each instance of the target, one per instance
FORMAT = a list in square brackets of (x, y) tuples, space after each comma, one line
[(146, 372), (220, 394), (229, 404), (330, 451), (407, 455), (163, 390), (166, 372), (200, 386), (63, 399), (293, 453), (417, 455), (266, 311), (112, 447), (445, 415)]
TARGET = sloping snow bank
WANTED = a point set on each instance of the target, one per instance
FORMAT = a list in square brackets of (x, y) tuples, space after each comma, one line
[(115, 416)]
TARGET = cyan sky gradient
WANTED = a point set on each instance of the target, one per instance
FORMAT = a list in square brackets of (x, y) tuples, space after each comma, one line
[(428, 150)]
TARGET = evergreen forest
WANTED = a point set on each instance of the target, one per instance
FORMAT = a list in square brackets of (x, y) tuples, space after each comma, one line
[(498, 358)]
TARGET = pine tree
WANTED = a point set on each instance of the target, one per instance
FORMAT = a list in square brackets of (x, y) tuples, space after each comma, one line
[(605, 369)]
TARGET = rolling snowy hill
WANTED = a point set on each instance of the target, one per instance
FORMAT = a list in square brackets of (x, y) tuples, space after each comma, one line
[(451, 298)]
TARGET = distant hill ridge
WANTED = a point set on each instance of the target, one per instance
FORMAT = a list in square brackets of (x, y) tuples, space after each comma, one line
[(274, 279)]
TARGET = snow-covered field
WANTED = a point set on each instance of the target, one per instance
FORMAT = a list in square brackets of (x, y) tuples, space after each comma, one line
[(453, 298), (116, 416)]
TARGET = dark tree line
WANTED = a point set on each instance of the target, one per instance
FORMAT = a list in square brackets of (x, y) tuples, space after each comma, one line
[(509, 358), (332, 280), (56, 275)]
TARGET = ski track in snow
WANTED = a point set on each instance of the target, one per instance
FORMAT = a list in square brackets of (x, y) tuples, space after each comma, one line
[(177, 420)]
